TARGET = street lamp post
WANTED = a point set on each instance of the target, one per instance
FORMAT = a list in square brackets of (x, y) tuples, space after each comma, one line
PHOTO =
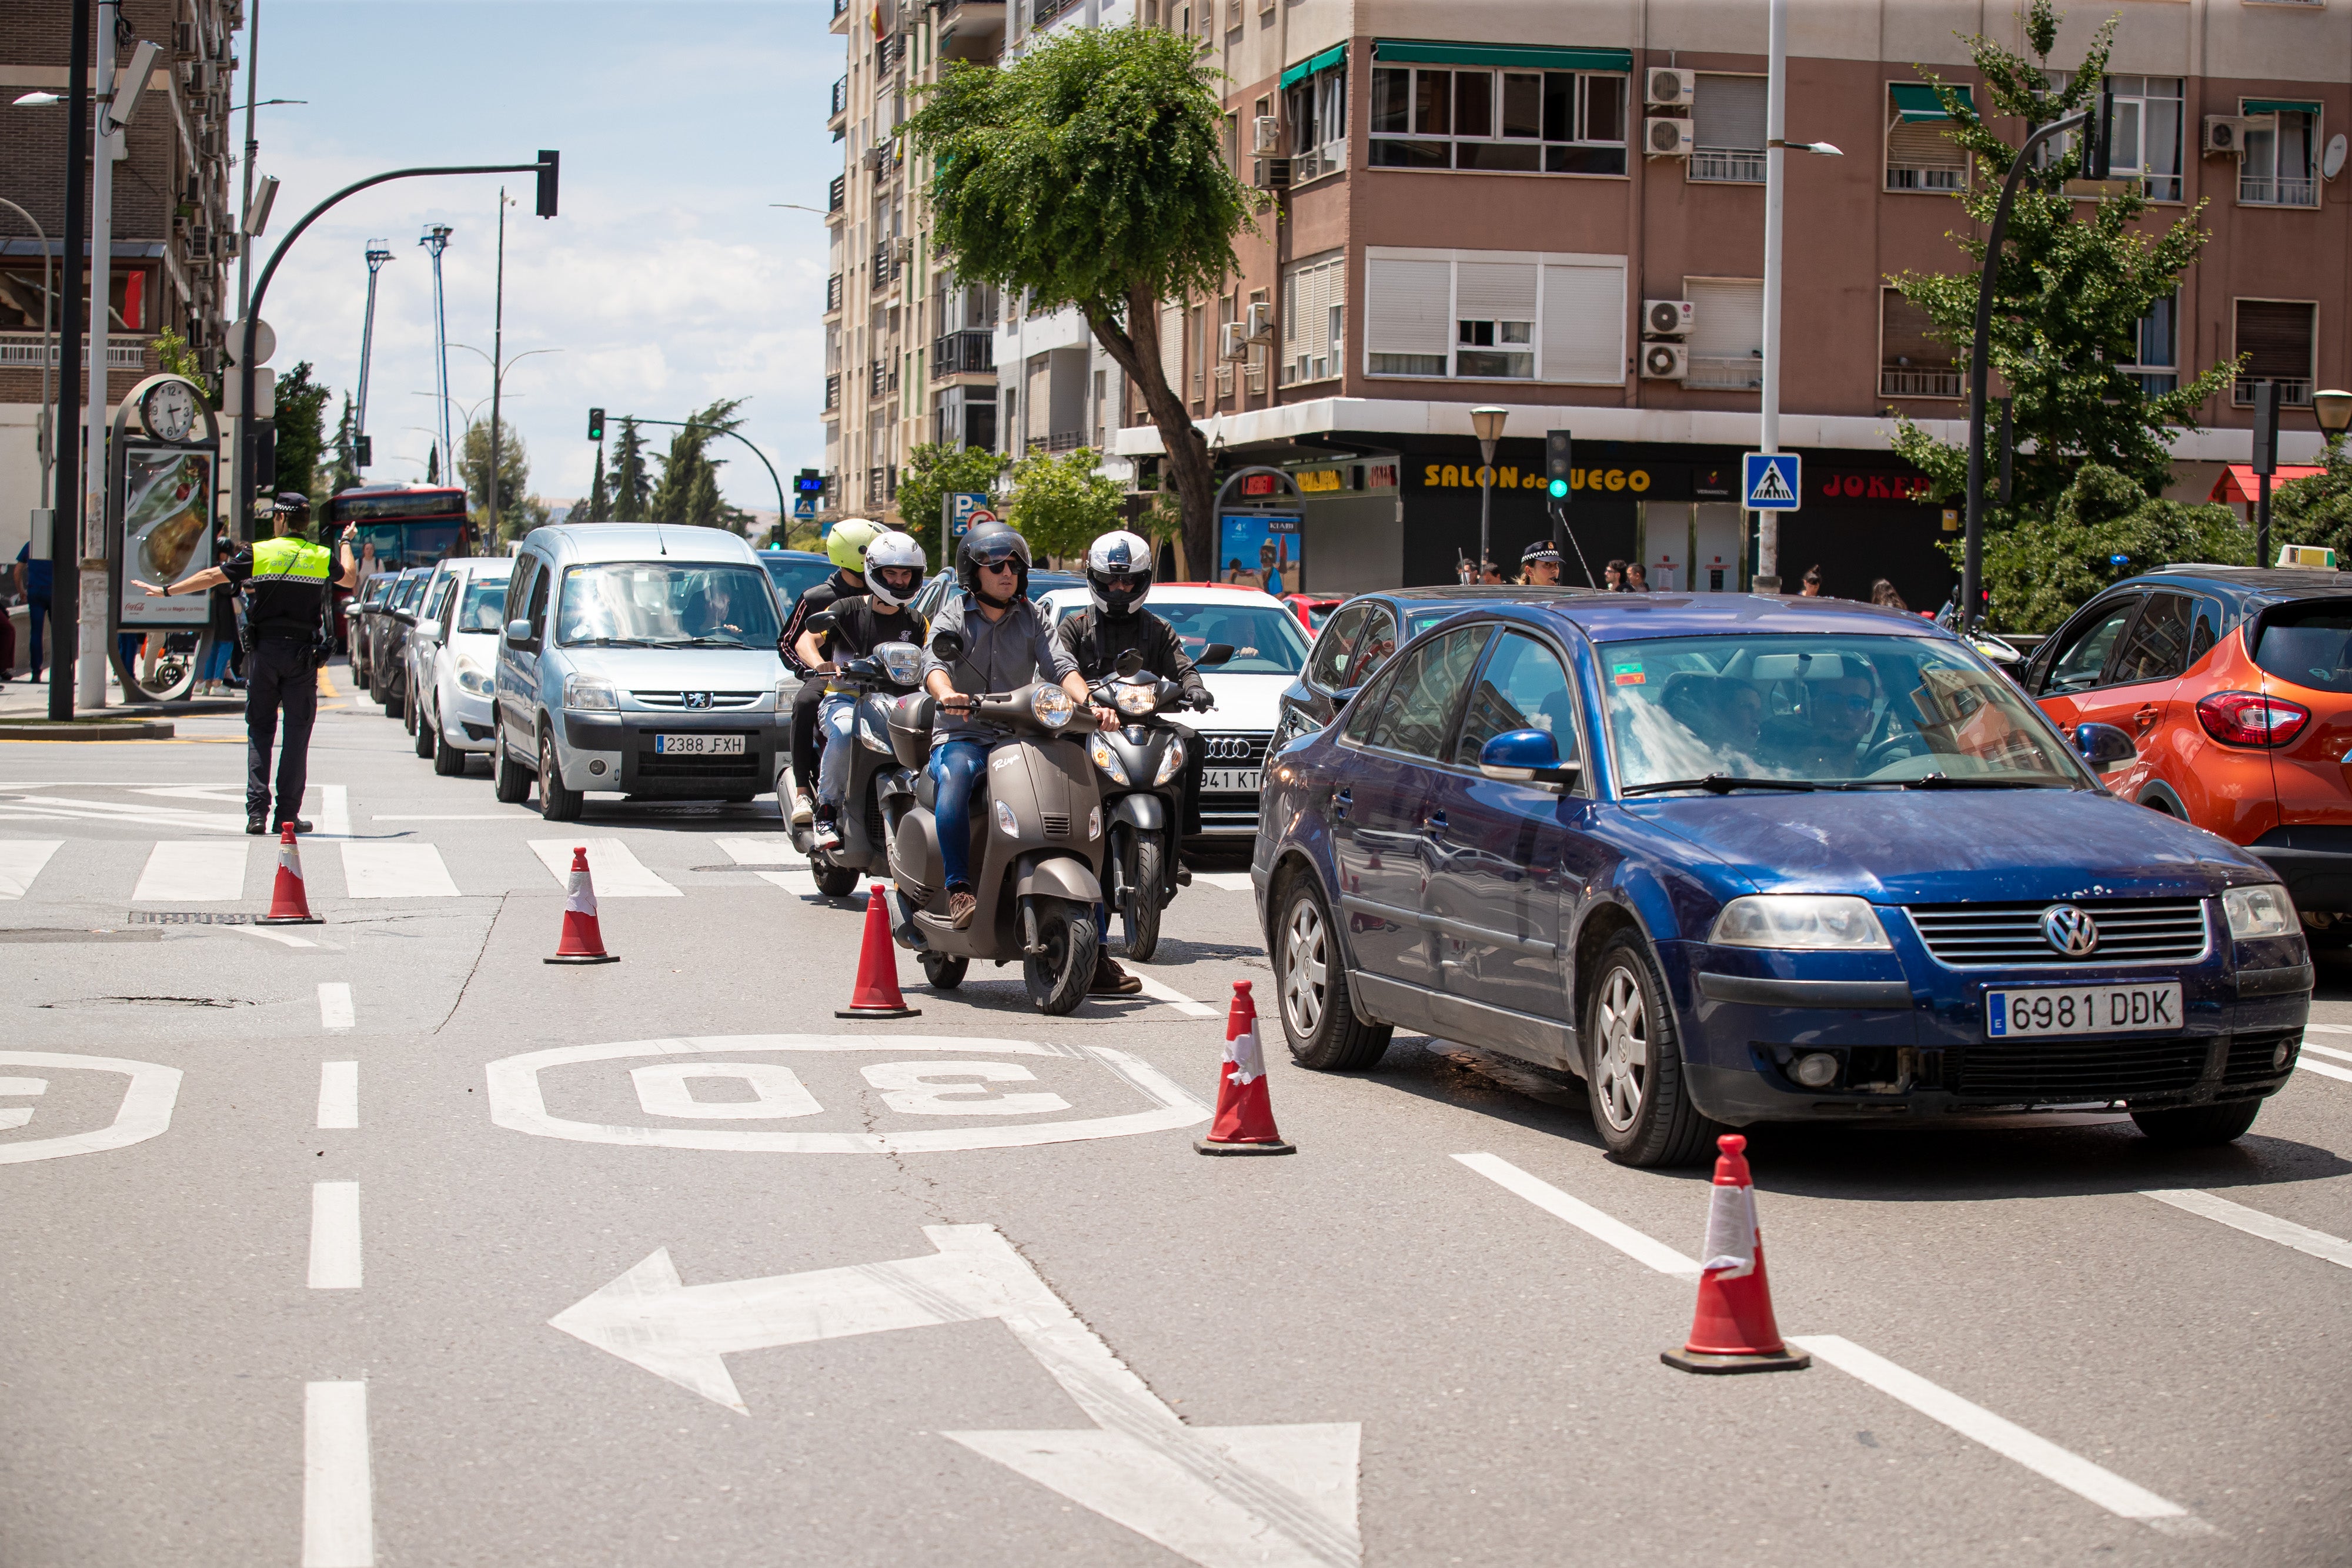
[(499, 370), (498, 346), (1488, 423), (435, 239), (2333, 410), (47, 452), (378, 251)]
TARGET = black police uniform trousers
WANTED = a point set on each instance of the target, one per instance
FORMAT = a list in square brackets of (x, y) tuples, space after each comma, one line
[(282, 679)]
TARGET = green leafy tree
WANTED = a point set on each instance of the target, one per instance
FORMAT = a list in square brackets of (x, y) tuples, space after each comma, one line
[(514, 474), (632, 487), (1061, 504), (346, 472), (934, 471), (600, 503), (433, 463), (2071, 290), (172, 354), (301, 429), (2316, 509), (1090, 173), (688, 491), (2103, 528)]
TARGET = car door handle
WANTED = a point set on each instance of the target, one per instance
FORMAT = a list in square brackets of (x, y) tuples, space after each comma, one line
[(2147, 716), (1434, 822), (1341, 799)]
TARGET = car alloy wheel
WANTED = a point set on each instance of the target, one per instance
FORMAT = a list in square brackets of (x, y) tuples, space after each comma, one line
[(1623, 1070), (1305, 960)]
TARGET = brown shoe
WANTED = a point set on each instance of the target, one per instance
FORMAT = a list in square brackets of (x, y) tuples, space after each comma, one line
[(1110, 980), (961, 907)]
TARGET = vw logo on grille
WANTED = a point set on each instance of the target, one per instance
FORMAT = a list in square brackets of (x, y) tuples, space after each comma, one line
[(696, 699), (1227, 748), (2070, 930)]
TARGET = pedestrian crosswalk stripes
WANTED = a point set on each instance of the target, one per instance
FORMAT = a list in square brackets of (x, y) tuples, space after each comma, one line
[(395, 871), (618, 872), (193, 871), (21, 860)]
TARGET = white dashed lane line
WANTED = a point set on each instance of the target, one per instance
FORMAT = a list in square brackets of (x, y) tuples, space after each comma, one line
[(335, 1005), (335, 1236), (338, 1494), (1159, 990), (339, 1094), (1230, 880), (398, 871), (2254, 1222)]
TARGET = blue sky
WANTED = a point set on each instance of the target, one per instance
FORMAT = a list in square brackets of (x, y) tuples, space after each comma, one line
[(667, 280)]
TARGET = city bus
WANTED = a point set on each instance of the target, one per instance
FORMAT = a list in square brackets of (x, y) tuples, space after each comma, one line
[(409, 525)]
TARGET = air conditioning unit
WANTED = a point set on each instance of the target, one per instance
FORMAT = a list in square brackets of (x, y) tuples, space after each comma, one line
[(1233, 342), (1667, 318), (1270, 174), (1666, 87), (1665, 362), (1258, 324), (1265, 134), (1666, 138), (184, 40), (2226, 133)]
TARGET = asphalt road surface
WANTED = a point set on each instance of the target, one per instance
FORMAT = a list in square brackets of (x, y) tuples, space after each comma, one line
[(382, 1241)]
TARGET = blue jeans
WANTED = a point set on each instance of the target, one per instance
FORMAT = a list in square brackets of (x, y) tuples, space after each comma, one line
[(36, 611), (836, 718), (955, 764), (217, 659)]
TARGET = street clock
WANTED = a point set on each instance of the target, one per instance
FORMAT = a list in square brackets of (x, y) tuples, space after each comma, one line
[(170, 411)]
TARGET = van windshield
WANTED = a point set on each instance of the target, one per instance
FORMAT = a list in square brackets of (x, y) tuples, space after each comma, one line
[(665, 604)]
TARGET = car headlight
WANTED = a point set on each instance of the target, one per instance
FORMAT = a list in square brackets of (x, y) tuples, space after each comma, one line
[(587, 696), (1107, 760), (1798, 920), (1170, 762), (1136, 701), (2263, 910), (787, 689), (902, 662), (1052, 705), (472, 678)]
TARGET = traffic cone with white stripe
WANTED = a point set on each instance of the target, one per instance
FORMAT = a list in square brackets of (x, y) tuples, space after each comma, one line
[(289, 904), (584, 938), (876, 993), (1244, 1123), (1733, 1329)]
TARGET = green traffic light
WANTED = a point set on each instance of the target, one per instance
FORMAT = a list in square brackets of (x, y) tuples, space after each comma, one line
[(1559, 489)]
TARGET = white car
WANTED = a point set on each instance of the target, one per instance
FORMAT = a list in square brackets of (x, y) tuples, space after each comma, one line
[(457, 663), (1269, 649)]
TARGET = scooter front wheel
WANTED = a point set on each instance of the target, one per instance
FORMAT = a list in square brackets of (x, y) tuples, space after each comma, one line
[(1145, 894), (1058, 977)]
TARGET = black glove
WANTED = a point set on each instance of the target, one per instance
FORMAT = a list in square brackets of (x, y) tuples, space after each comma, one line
[(1202, 702)]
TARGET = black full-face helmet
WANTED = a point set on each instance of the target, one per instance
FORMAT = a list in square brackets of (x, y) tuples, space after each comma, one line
[(988, 545)]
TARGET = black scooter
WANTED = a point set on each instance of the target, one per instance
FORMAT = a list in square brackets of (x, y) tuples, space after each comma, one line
[(881, 788), (1142, 766)]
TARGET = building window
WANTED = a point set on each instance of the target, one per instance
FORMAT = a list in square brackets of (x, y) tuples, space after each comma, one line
[(1727, 338), (2156, 365), (1316, 103), (1558, 122), (1490, 315), (2277, 338), (1920, 152), (1728, 129), (1314, 320), (1912, 361), (2148, 143), (2279, 170)]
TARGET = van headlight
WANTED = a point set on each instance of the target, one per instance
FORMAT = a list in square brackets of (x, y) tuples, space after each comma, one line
[(2263, 910), (1052, 705), (902, 662), (1136, 700), (1170, 762), (583, 695), (1107, 760), (1798, 920)]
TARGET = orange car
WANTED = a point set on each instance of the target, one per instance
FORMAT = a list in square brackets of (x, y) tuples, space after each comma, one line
[(2235, 684)]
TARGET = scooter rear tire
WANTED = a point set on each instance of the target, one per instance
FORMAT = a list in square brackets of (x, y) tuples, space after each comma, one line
[(943, 972), (1058, 978), (833, 880)]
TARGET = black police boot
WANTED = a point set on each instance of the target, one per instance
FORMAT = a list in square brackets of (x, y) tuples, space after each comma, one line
[(257, 822)]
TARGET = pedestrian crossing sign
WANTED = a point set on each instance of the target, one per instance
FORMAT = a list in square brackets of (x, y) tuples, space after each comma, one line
[(1771, 481)]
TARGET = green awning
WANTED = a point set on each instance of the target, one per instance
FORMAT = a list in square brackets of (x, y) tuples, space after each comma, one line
[(1916, 103), (1528, 56), (1331, 57), (2279, 106)]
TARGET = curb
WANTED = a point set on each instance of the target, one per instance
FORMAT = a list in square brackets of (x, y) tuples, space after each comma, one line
[(94, 729)]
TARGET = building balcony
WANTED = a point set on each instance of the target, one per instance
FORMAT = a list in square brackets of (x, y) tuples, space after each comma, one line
[(1903, 382), (840, 100), (2293, 392), (969, 29), (837, 194), (963, 353), (832, 392), (2256, 192), (1742, 372), (1727, 166), (833, 294)]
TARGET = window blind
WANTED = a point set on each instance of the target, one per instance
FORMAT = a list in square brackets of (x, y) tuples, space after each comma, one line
[(1583, 336), (1923, 146), (1729, 114), (1407, 307), (2276, 339), (1729, 312), (1904, 336), (1494, 291), (1171, 345)]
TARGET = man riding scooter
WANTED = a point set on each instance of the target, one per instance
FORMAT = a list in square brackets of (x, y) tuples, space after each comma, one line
[(1006, 644), (861, 623), (846, 544)]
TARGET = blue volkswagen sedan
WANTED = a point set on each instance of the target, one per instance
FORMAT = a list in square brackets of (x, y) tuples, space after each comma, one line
[(1734, 860)]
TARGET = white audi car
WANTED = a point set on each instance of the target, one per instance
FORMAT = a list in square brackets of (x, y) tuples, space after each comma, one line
[(1269, 649)]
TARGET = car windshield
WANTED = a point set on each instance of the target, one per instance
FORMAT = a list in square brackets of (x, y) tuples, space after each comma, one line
[(1818, 711), (2309, 645), (667, 604), (1267, 640), (484, 607), (793, 576)]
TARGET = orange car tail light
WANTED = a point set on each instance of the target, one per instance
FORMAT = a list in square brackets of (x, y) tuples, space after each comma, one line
[(2250, 719)]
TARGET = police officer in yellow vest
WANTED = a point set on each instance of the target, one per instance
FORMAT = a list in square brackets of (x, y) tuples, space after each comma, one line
[(288, 611)]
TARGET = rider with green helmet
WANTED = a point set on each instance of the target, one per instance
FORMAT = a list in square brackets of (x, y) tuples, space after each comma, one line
[(844, 546)]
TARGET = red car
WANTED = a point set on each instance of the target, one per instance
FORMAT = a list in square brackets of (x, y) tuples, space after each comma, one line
[(1312, 609), (2235, 686)]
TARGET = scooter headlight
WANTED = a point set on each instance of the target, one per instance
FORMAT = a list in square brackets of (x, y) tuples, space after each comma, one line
[(902, 662), (1172, 762), (1107, 760), (1052, 705), (1136, 700)]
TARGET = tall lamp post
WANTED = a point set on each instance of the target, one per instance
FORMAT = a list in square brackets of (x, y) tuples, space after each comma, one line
[(1488, 423), (378, 251), (435, 239)]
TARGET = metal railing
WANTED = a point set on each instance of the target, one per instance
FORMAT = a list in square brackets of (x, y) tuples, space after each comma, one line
[(1728, 165), (1046, 10), (1902, 177), (832, 392), (840, 99), (2255, 191), (1728, 372), (118, 355), (958, 353), (833, 294), (1065, 440), (837, 194), (1893, 381), (2293, 392)]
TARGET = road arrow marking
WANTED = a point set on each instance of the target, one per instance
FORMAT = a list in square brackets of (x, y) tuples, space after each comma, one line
[(1224, 1497)]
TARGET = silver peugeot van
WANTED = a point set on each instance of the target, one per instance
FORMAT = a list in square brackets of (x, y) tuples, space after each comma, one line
[(638, 658)]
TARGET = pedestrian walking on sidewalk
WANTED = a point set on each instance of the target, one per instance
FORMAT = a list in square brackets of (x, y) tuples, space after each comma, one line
[(33, 581), (290, 624)]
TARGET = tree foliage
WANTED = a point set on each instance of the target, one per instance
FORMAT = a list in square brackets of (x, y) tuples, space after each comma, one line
[(2071, 290), (688, 491), (301, 428), (933, 472), (1061, 504), (633, 489), (514, 469), (599, 505), (172, 354), (1090, 173), (2103, 528), (2316, 509)]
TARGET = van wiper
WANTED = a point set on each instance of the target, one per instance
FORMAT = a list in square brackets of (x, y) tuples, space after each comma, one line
[(1723, 783), (612, 642), (1946, 781), (698, 643)]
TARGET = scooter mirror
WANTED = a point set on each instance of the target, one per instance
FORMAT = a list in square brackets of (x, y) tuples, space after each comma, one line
[(1212, 655), (947, 645), (822, 624), (1130, 661)]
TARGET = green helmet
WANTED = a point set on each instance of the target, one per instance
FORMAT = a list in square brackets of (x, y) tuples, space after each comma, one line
[(846, 544)]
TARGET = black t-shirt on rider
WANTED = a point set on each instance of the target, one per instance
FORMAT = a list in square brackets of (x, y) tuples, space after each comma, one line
[(860, 625)]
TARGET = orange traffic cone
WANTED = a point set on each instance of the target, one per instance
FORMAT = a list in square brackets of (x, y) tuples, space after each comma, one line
[(584, 938), (876, 994), (1244, 1124), (1733, 1329), (289, 904)]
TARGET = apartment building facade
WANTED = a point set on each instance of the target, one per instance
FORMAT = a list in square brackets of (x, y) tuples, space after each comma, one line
[(174, 214)]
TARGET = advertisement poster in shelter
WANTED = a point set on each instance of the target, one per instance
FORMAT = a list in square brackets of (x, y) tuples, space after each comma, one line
[(1261, 549), (167, 533)]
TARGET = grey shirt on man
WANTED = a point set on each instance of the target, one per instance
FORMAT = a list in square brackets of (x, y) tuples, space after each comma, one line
[(999, 655)]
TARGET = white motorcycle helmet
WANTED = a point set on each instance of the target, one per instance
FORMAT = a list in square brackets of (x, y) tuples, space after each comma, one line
[(890, 553), (1118, 572)]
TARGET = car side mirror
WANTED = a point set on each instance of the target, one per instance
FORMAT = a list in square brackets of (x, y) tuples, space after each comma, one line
[(1525, 757), (517, 633), (1212, 655), (428, 630), (947, 645), (1130, 662), (2104, 746)]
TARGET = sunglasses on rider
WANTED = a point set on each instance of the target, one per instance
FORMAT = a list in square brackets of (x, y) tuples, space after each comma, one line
[(1006, 565)]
